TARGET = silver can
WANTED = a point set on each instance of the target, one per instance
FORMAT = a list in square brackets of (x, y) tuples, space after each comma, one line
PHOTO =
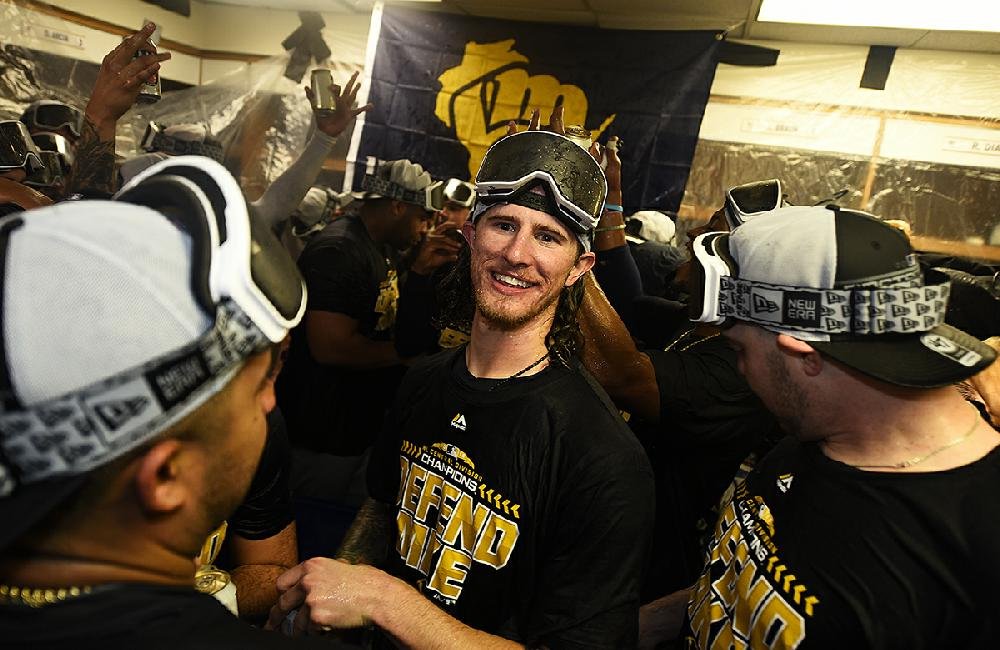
[(149, 92), (324, 101)]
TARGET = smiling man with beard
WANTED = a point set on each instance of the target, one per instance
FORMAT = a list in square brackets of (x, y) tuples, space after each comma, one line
[(542, 540)]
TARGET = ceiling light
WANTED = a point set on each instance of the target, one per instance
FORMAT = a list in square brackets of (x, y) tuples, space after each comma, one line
[(953, 15)]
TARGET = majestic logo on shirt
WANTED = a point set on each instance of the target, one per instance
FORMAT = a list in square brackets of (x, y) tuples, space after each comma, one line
[(449, 520), (458, 422), (785, 482)]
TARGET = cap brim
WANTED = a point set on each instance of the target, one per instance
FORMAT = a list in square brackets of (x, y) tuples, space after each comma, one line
[(911, 359), (30, 504)]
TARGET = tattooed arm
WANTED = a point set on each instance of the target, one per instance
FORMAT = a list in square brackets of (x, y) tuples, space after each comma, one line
[(118, 82), (368, 539), (94, 171)]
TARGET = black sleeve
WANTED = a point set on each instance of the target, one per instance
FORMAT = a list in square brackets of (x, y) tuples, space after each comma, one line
[(592, 565), (704, 400), (267, 508), (339, 279), (618, 276), (415, 332)]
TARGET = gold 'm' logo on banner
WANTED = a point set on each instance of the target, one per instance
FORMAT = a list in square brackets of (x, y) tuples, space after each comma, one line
[(491, 87)]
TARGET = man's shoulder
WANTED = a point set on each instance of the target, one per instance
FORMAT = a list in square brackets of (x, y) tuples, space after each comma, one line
[(582, 411), (134, 616), (341, 235)]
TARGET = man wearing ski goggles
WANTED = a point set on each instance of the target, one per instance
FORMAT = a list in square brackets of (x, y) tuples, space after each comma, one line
[(140, 339), (506, 436)]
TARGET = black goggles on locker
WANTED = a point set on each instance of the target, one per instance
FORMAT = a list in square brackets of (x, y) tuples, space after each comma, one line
[(720, 297), (17, 151), (50, 174), (52, 116), (57, 144), (573, 184)]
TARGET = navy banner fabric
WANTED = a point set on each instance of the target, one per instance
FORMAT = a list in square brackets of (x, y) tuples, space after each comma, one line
[(445, 87)]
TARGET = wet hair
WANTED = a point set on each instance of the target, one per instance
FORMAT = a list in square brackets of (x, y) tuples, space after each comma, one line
[(457, 307)]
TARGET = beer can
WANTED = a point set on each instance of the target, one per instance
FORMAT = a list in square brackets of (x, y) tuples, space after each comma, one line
[(324, 100), (149, 92)]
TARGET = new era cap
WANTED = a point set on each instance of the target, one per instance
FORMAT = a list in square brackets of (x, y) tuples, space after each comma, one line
[(802, 251)]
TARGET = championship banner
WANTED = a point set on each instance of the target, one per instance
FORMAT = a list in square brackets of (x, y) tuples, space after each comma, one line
[(445, 86)]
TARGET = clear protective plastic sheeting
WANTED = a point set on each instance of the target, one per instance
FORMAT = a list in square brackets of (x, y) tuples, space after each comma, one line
[(924, 151), (262, 118)]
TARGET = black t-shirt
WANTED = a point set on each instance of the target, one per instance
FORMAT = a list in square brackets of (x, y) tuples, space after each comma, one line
[(138, 617), (524, 506), (710, 421), (811, 553), (267, 508), (329, 408)]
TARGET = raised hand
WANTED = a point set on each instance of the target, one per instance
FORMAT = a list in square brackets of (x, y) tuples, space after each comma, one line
[(119, 80), (333, 123)]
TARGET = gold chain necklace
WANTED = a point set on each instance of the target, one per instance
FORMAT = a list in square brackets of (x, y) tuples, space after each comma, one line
[(919, 459), (38, 597)]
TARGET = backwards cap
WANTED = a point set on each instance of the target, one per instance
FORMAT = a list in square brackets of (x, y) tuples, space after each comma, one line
[(850, 285), (107, 340)]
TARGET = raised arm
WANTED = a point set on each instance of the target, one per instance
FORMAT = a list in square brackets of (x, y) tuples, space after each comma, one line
[(118, 82), (287, 191), (612, 357)]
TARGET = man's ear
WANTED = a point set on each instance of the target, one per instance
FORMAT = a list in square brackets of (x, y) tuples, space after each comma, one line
[(583, 264), (469, 231), (812, 361), (158, 481), (398, 207)]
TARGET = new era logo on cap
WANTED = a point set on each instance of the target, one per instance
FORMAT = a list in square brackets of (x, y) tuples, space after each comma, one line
[(762, 305)]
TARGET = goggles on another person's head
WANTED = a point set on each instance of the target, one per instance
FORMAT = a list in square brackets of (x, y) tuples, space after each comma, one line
[(720, 297), (50, 174), (573, 183), (17, 150), (154, 139), (57, 144), (460, 192), (241, 276), (750, 199), (50, 115), (429, 198)]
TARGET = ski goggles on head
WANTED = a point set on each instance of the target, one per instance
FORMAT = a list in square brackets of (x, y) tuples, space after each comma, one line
[(57, 144), (747, 201), (460, 192), (50, 174), (52, 116), (430, 198), (901, 304), (17, 149), (573, 183), (239, 259), (154, 139)]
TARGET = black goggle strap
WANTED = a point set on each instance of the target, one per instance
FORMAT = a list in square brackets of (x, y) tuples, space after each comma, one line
[(425, 197), (880, 310), (75, 433), (177, 147)]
